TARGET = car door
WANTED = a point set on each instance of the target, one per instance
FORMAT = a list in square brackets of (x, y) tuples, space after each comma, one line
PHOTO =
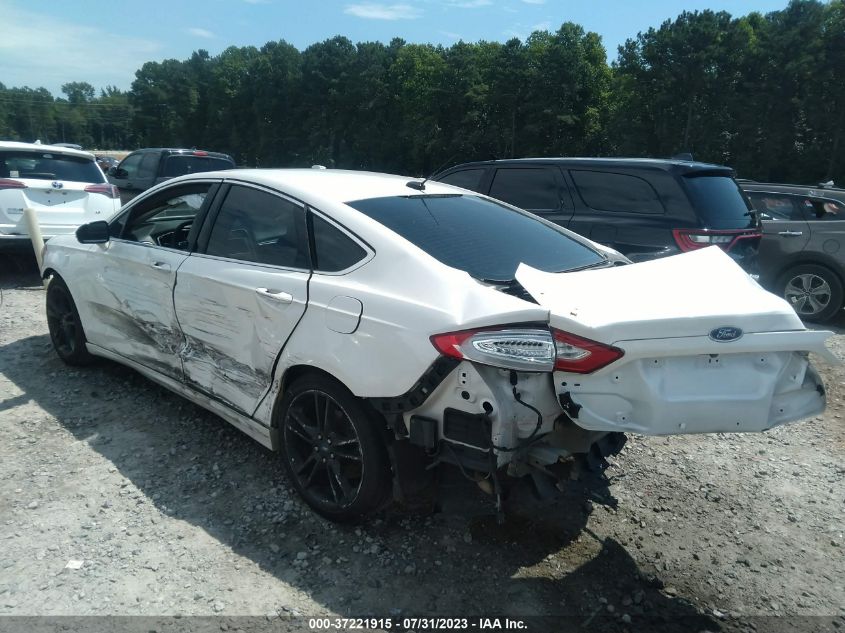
[(240, 297), (131, 297), (785, 230), (540, 189)]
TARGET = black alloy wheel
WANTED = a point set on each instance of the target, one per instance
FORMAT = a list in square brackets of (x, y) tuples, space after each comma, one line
[(333, 453), (64, 324)]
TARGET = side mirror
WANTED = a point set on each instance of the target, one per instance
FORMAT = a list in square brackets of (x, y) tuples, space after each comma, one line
[(117, 172), (93, 233)]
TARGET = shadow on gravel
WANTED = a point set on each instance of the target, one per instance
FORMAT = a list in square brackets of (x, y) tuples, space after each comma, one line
[(17, 271), (542, 562)]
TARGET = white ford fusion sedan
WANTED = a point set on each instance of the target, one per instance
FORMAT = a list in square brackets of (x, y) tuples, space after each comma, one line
[(368, 327)]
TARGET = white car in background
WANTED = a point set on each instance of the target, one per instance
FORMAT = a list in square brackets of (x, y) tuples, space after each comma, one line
[(64, 186), (367, 327)]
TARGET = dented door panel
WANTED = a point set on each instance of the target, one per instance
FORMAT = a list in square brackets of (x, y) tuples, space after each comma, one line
[(235, 316), (132, 305)]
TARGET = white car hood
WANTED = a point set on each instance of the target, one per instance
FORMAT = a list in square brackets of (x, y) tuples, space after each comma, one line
[(680, 296)]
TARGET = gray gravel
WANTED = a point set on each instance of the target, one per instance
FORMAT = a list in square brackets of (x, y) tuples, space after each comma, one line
[(117, 497)]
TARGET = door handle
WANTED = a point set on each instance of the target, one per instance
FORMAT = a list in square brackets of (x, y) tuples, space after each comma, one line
[(161, 265), (791, 233), (276, 295)]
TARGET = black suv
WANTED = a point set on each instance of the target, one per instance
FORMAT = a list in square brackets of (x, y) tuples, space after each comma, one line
[(643, 208), (802, 255), (144, 168)]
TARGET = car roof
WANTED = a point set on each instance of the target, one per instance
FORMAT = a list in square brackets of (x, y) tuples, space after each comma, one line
[(665, 164), (41, 147), (817, 191), (334, 185)]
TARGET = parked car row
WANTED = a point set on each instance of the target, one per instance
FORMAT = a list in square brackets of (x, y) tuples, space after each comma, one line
[(373, 329), (791, 236)]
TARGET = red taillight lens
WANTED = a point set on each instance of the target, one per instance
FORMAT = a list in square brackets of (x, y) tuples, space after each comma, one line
[(200, 152), (580, 355), (693, 239), (8, 183), (107, 190), (527, 349)]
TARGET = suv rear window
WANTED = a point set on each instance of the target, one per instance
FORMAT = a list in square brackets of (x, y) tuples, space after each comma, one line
[(481, 237), (49, 166), (181, 165), (719, 202)]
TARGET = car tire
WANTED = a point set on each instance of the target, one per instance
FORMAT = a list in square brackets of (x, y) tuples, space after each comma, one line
[(64, 324), (814, 292), (332, 449)]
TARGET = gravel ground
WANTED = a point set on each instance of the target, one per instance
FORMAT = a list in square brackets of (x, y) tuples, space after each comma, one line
[(119, 498)]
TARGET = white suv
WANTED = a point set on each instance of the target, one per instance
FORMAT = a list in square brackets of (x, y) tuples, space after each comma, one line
[(64, 186)]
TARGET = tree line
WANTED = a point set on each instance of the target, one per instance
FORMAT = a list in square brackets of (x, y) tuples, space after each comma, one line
[(762, 93)]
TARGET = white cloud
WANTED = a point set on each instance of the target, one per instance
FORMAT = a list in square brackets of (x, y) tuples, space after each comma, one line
[(372, 11), (542, 26), (534, 1), (39, 50), (257, 1), (198, 32), (450, 35)]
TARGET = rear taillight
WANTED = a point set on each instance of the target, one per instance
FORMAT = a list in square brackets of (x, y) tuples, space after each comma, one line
[(579, 355), (8, 183), (528, 349), (692, 239), (107, 190)]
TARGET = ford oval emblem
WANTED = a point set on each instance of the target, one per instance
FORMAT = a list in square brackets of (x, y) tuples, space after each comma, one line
[(725, 334)]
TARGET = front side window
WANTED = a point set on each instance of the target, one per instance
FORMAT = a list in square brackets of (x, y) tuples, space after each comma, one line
[(131, 164), (166, 219), (261, 227), (608, 191), (148, 166), (536, 189), (486, 239)]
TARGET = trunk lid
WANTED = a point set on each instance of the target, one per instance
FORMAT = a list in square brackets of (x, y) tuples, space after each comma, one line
[(685, 295)]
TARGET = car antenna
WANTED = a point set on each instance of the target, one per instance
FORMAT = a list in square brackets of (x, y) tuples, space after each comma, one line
[(419, 185)]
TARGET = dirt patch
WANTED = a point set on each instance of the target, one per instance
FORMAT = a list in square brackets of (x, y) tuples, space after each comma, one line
[(118, 497)]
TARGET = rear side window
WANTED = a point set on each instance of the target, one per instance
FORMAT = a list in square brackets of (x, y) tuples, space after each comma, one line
[(257, 226), (49, 166), (466, 178), (536, 188), (719, 202), (334, 250), (179, 165), (607, 191), (479, 236)]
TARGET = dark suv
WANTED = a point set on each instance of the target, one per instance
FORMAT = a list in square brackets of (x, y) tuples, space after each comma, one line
[(644, 208), (144, 168), (802, 255)]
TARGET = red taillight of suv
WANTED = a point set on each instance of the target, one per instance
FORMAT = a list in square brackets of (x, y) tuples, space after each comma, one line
[(527, 349), (107, 190), (693, 239), (8, 183)]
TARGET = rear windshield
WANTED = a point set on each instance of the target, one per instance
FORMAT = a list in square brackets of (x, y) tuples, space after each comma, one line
[(479, 236), (49, 166), (719, 202), (181, 165)]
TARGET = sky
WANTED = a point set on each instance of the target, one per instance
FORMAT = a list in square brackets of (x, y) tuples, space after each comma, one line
[(45, 43)]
